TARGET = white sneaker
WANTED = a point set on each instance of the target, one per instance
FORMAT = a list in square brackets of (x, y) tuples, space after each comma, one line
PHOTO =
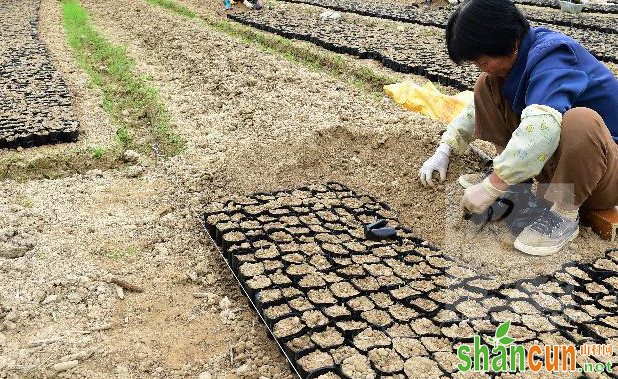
[(548, 234), (248, 4)]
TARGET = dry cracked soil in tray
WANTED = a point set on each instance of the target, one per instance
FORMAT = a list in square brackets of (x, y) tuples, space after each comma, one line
[(253, 122)]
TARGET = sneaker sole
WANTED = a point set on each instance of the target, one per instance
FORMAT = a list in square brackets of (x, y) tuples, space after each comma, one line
[(543, 251)]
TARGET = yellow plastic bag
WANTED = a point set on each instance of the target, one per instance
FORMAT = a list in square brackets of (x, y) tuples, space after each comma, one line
[(428, 100)]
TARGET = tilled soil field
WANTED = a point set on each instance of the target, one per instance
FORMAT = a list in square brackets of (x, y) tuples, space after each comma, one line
[(111, 274), (35, 104)]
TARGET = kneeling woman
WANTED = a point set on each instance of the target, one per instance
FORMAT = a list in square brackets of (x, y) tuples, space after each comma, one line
[(549, 107)]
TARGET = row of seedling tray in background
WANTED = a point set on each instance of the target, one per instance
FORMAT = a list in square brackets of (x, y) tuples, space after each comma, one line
[(408, 50), (439, 16), (35, 105)]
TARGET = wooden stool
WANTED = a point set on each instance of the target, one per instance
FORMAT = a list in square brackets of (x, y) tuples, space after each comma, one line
[(603, 222)]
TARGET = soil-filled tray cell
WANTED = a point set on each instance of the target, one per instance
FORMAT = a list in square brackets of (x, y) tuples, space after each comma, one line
[(357, 366), (314, 361), (405, 309), (328, 338), (300, 304), (386, 361), (315, 319), (337, 312), (288, 327), (370, 338), (312, 281)]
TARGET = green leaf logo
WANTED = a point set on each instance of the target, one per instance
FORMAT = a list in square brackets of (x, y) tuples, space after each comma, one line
[(501, 337), (506, 340)]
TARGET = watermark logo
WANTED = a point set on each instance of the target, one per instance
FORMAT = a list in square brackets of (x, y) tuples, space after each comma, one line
[(507, 356)]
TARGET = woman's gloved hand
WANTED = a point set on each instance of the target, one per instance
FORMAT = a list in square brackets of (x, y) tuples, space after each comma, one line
[(437, 162), (479, 197)]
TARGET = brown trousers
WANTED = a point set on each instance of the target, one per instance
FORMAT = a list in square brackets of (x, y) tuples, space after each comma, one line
[(584, 169)]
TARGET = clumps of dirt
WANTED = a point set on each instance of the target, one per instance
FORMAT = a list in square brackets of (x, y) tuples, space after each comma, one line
[(233, 237), (402, 313), (315, 360), (368, 284), (424, 326), (461, 330), (403, 292), (378, 318), (288, 327), (302, 343), (471, 309), (327, 339), (343, 290), (378, 270), (361, 304), (321, 297), (278, 278), (329, 375), (300, 269), (281, 237), (341, 353), (259, 282), (421, 367), (370, 338), (382, 300), (408, 347), (312, 281), (252, 269), (386, 360), (433, 344), (314, 319), (277, 312), (357, 366), (19, 232), (269, 296), (265, 251), (300, 304), (351, 326), (537, 323)]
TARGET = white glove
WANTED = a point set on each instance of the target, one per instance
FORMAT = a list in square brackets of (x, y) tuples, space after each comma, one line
[(479, 197), (437, 162)]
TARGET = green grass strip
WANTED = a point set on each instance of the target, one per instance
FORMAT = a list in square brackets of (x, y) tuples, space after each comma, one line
[(133, 105), (307, 56), (174, 7)]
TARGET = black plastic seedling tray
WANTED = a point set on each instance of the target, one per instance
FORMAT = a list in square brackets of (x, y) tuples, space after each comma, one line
[(323, 290), (438, 17), (35, 108), (421, 55)]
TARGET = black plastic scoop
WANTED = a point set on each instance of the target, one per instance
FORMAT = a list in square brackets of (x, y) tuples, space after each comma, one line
[(379, 231)]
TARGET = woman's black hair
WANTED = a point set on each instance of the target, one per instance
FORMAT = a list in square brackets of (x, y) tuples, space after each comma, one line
[(484, 27)]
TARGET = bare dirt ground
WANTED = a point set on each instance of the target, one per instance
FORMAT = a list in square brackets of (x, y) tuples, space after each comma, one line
[(253, 122)]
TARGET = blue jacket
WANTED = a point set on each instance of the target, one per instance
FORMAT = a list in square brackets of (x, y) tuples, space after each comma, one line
[(552, 69)]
